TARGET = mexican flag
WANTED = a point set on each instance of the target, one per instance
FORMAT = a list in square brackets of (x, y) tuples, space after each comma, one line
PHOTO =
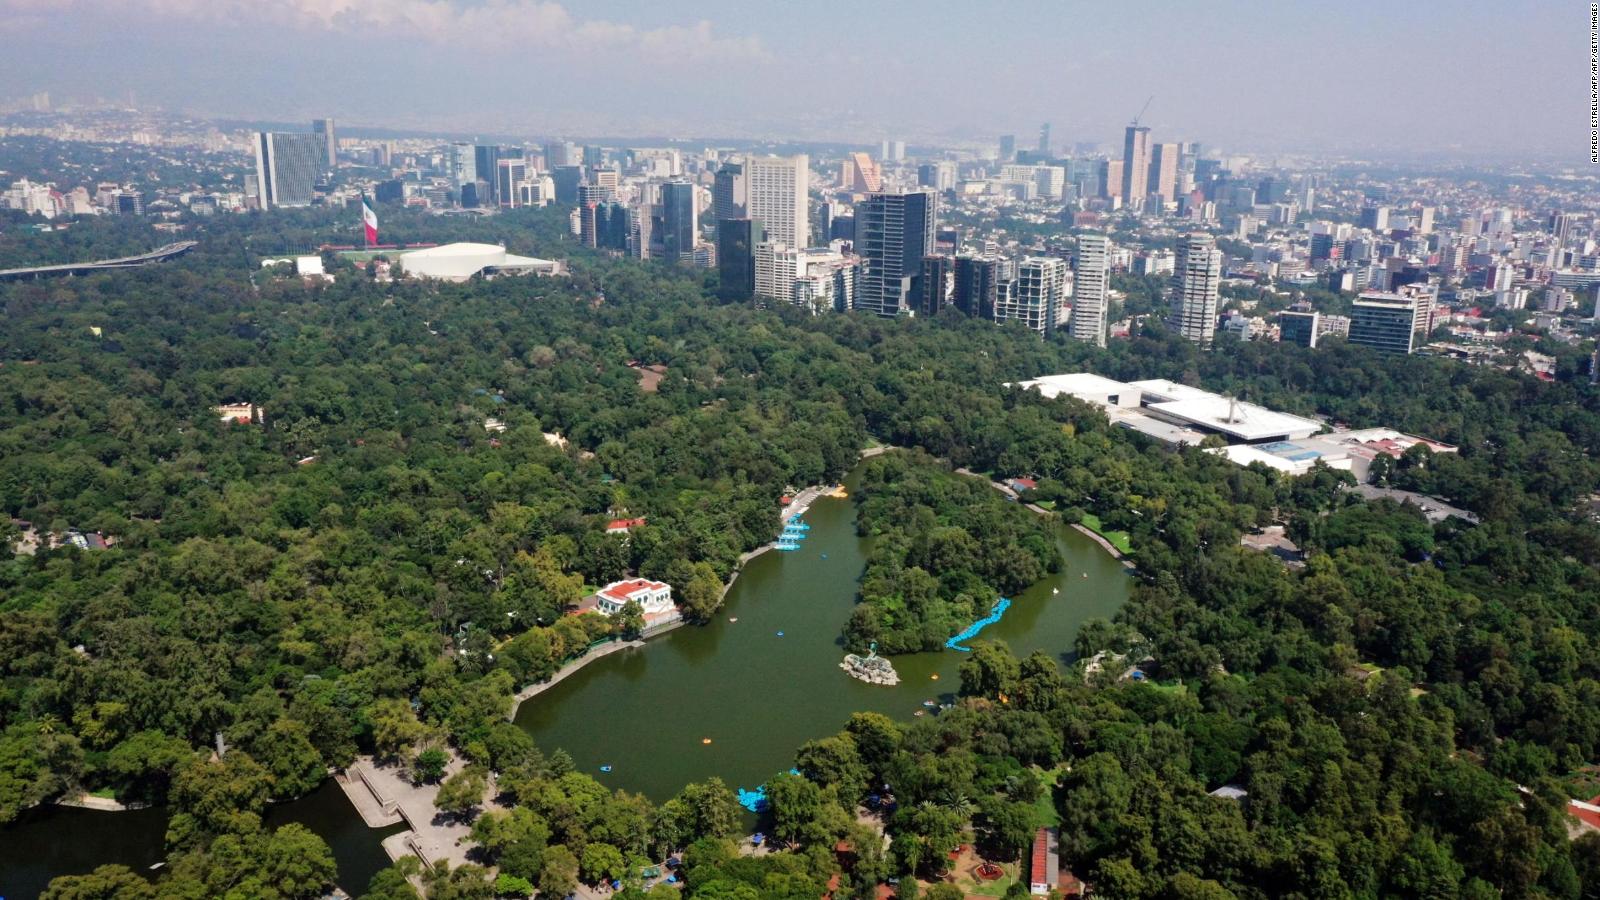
[(369, 218)]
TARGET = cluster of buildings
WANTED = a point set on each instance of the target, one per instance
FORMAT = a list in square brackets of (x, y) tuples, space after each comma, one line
[(50, 202), (997, 231), (1245, 433)]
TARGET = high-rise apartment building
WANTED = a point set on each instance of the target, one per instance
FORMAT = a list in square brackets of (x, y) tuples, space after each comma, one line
[(1135, 164), (938, 284), (1392, 322), (777, 264), (1091, 276), (1111, 178), (1196, 284), (1038, 296), (977, 283), (1163, 177), (894, 231), (776, 196), (324, 128), (680, 215), (286, 167)]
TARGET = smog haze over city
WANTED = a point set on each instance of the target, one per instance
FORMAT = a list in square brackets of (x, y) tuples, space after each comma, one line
[(1365, 76)]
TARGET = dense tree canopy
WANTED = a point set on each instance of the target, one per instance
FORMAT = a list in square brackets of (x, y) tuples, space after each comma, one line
[(371, 569)]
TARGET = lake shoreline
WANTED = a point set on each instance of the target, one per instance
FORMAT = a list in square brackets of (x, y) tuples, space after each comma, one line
[(1105, 544)]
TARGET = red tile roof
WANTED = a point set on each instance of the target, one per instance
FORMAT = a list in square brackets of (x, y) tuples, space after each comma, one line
[(622, 590), (1589, 816), (1041, 857), (624, 524)]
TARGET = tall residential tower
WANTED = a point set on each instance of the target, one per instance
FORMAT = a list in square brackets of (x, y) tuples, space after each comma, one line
[(1135, 164), (1091, 273), (776, 197), (1196, 283), (894, 231)]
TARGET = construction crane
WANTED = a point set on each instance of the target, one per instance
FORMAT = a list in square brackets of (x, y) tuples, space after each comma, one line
[(1142, 111)]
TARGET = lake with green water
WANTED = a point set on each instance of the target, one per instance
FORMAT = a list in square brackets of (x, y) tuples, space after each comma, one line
[(50, 841), (759, 694), (757, 687)]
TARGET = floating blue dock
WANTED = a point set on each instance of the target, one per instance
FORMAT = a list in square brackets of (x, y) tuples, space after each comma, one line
[(995, 612)]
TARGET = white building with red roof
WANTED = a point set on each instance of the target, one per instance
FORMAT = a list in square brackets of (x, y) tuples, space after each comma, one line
[(654, 597)]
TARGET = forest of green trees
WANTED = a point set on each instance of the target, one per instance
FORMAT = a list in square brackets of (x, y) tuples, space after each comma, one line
[(1409, 713)]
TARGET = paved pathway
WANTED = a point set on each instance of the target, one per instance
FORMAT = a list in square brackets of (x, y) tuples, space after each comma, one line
[(433, 836)]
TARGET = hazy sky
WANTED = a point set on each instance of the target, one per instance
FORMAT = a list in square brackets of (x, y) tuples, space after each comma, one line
[(1351, 74)]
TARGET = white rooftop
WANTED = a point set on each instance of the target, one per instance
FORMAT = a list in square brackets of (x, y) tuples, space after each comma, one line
[(1076, 384), (1245, 421), (459, 261), (1171, 390), (1082, 385)]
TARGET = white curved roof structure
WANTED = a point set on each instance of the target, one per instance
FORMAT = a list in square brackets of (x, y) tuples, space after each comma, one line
[(458, 262)]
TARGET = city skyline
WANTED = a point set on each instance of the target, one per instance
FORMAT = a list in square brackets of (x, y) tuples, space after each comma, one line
[(1241, 74)]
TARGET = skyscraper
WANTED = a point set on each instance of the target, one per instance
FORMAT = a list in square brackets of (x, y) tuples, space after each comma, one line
[(486, 165), (1196, 282), (859, 173), (1091, 273), (736, 259), (894, 231), (286, 167), (508, 177), (1163, 177), (463, 164), (1044, 140), (776, 190), (324, 128), (680, 217), (1375, 218), (567, 179), (728, 193), (1008, 147), (1135, 164)]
